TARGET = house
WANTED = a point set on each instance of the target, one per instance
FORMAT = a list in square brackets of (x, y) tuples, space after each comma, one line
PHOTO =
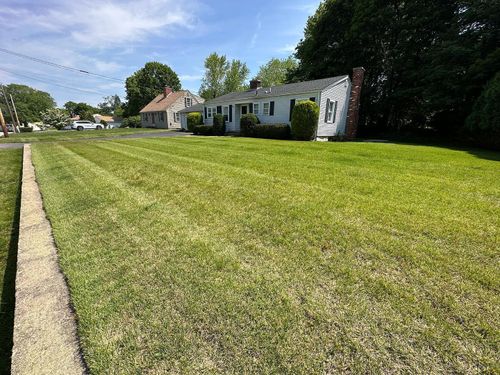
[(184, 112), (337, 97), (111, 121), (163, 111)]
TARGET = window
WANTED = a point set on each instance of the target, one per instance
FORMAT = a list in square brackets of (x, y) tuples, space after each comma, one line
[(161, 117), (331, 110), (256, 108), (177, 117), (188, 102), (209, 112), (225, 112), (265, 108), (153, 118)]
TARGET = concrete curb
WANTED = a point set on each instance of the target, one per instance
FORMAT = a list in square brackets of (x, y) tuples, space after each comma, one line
[(45, 336)]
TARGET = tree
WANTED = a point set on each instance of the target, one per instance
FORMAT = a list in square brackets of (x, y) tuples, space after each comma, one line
[(55, 117), (305, 120), (146, 83), (236, 75), (110, 105), (29, 102), (275, 71), (80, 109)]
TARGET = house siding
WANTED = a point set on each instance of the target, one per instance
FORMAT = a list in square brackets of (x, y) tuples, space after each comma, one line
[(340, 94), (169, 114)]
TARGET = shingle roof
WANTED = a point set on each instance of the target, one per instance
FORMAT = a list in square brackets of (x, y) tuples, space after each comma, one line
[(161, 103), (194, 108), (289, 89)]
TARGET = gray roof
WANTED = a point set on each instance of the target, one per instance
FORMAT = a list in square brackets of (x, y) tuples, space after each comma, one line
[(289, 89), (194, 108)]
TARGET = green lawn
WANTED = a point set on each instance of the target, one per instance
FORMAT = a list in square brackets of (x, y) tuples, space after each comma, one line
[(10, 186), (233, 255), (65, 135)]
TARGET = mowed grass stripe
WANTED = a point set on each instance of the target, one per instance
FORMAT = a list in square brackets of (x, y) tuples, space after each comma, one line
[(238, 284)]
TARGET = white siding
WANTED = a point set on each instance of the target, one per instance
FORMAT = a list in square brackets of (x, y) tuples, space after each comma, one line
[(338, 93)]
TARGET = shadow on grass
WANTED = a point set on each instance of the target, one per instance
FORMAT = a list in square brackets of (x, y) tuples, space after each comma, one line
[(9, 293)]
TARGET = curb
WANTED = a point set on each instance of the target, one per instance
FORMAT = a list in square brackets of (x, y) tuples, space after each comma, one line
[(45, 333)]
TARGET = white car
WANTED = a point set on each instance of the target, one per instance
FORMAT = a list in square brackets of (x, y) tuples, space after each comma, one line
[(82, 125)]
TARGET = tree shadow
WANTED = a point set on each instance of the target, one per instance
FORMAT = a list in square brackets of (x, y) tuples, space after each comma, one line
[(9, 292)]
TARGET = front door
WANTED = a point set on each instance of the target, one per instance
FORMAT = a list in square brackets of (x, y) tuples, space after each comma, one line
[(244, 109)]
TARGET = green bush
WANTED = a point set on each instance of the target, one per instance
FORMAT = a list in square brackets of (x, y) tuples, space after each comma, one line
[(247, 124), (305, 120), (272, 131), (132, 122), (104, 123), (219, 127), (203, 130), (194, 119), (25, 129)]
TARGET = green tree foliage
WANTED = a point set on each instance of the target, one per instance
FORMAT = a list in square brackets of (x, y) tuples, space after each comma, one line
[(194, 119), (29, 102), (55, 117), (84, 110), (222, 76), (132, 122), (247, 124), (305, 116), (110, 105), (425, 61), (146, 83), (275, 71)]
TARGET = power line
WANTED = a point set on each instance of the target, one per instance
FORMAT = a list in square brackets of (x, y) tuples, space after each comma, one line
[(58, 65), (53, 83)]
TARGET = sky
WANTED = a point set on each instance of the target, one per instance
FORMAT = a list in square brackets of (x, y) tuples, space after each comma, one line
[(115, 38)]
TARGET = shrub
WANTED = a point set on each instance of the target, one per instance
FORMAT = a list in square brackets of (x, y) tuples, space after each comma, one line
[(104, 123), (132, 122), (203, 130), (194, 119), (25, 129), (305, 120), (219, 127), (272, 131), (247, 124)]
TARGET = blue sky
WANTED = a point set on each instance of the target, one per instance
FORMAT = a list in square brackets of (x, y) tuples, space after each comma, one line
[(115, 38)]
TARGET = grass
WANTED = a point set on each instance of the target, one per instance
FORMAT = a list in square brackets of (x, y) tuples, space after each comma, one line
[(10, 187), (233, 255), (55, 135)]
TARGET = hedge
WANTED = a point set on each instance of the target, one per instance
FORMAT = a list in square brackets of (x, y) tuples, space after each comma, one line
[(272, 131), (305, 120), (194, 119), (203, 130), (247, 124), (219, 127), (132, 122), (25, 129)]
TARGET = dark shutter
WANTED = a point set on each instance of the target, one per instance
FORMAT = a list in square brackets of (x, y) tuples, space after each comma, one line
[(334, 112), (271, 109), (206, 115), (313, 99), (250, 108), (230, 113), (219, 109), (326, 110), (292, 104)]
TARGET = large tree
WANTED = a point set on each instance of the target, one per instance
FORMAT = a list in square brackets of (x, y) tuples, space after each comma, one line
[(29, 102), (148, 82), (222, 76), (423, 58), (80, 109), (275, 71), (55, 117), (110, 105)]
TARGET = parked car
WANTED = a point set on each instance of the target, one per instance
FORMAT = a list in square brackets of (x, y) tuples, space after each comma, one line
[(82, 125)]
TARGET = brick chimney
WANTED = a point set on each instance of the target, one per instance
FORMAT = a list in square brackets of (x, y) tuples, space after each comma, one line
[(255, 84), (166, 91), (358, 75)]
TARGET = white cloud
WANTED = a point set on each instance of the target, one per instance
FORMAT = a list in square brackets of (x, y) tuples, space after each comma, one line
[(190, 77), (255, 35)]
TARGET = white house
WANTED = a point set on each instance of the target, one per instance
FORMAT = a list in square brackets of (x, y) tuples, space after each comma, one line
[(337, 97), (184, 112), (163, 111)]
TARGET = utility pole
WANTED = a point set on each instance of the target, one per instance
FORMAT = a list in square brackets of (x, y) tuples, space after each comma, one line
[(15, 112), (4, 127), (8, 105)]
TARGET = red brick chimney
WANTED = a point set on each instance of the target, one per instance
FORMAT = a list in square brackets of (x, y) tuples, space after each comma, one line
[(167, 90), (358, 75), (255, 84)]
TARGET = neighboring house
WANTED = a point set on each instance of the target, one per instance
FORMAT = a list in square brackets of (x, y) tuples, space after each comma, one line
[(163, 111), (195, 108), (337, 98), (112, 121)]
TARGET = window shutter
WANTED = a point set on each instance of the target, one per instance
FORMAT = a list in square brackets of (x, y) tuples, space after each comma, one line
[(326, 111), (230, 113), (313, 99), (292, 104), (206, 115), (219, 109), (271, 109), (334, 116), (250, 108)]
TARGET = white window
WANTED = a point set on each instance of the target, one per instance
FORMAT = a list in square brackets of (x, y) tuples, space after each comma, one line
[(209, 112), (225, 112), (177, 117), (265, 108), (188, 102), (331, 109), (256, 108)]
